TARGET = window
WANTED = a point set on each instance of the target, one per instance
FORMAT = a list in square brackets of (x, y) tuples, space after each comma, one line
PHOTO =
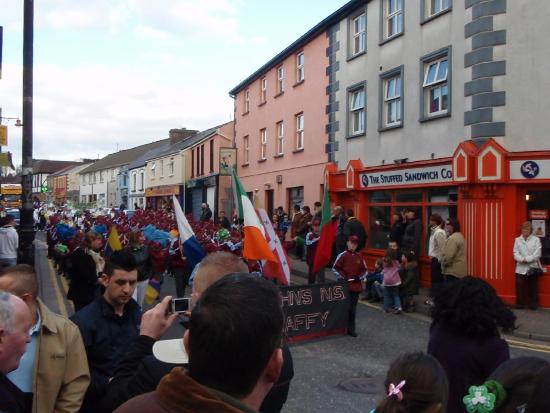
[(280, 79), (300, 131), (246, 101), (141, 180), (162, 168), (100, 177), (171, 167), (392, 99), (436, 87), (112, 174), (436, 6), (198, 163), (211, 155), (263, 90), (153, 167), (393, 15), (246, 150), (356, 111), (202, 159), (359, 34), (300, 74), (134, 181), (280, 137), (263, 144)]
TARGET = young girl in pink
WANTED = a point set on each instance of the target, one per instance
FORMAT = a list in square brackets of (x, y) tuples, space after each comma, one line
[(391, 283)]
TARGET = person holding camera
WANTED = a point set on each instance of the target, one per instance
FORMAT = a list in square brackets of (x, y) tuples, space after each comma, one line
[(527, 253)]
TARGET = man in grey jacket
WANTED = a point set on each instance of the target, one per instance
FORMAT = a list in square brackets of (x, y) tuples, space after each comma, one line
[(9, 242)]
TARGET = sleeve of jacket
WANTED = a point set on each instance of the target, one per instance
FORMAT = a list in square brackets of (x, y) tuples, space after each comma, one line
[(77, 374), (128, 380), (81, 268), (449, 252), (338, 266), (517, 254), (536, 254)]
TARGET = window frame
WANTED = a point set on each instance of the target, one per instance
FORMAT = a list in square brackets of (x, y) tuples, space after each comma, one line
[(350, 111), (352, 35), (425, 63), (300, 67), (427, 14), (280, 79), (263, 90), (383, 100), (246, 101), (171, 167), (263, 144), (246, 150), (141, 180), (300, 132), (386, 16), (280, 138)]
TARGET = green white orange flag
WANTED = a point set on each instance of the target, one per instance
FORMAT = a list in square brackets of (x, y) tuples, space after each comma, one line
[(255, 246)]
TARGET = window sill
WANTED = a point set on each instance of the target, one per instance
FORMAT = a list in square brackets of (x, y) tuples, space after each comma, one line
[(279, 155), (389, 39), (245, 113), (262, 160), (355, 56), (262, 103), (435, 16), (298, 83), (245, 164), (279, 94), (298, 150), (388, 128), (434, 117), (357, 135)]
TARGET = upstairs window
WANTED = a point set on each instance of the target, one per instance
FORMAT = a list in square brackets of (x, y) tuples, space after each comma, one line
[(391, 91), (300, 71), (357, 113), (280, 79), (299, 145), (263, 90), (246, 150), (436, 88), (246, 101), (280, 137), (393, 14), (359, 34), (263, 144), (437, 6)]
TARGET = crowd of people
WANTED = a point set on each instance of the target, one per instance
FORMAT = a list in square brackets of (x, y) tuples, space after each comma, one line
[(232, 357)]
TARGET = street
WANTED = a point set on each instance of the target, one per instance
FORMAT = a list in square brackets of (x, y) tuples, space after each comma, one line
[(340, 374)]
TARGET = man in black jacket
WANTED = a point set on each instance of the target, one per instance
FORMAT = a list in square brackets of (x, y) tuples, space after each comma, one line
[(412, 237), (206, 214), (109, 324), (353, 226)]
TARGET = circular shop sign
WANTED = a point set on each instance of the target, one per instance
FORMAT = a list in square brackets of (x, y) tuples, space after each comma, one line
[(530, 169)]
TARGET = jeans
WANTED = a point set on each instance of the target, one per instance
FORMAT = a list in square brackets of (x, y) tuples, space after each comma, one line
[(531, 282), (8, 262), (391, 297), (181, 277)]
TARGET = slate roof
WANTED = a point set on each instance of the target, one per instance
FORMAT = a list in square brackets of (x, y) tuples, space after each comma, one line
[(71, 169), (45, 166)]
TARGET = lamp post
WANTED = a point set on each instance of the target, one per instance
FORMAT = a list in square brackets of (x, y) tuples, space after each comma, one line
[(26, 227)]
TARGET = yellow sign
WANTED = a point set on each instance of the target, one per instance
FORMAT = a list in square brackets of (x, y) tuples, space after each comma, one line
[(5, 159), (3, 135)]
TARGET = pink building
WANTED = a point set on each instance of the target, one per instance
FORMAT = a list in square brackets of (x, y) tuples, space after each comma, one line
[(280, 124)]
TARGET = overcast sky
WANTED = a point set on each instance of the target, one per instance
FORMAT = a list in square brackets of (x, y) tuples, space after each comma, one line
[(114, 74)]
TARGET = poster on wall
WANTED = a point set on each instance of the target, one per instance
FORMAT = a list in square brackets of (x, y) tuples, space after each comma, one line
[(228, 160), (539, 227)]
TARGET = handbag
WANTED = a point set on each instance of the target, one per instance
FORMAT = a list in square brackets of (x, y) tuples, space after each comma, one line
[(534, 271)]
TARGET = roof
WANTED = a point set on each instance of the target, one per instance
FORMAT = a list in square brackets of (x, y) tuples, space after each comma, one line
[(45, 166), (318, 29), (71, 169), (142, 160), (123, 157)]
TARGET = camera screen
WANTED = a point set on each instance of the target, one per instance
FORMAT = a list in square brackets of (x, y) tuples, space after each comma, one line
[(180, 305)]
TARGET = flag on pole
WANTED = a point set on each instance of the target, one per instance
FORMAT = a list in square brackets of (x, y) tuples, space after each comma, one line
[(255, 246), (328, 230), (152, 291), (192, 249), (280, 269), (113, 243)]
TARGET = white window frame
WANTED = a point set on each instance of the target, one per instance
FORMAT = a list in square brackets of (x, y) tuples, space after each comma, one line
[(141, 180), (439, 82), (299, 144), (162, 168), (246, 101), (263, 90), (171, 167), (393, 15), (280, 79), (300, 67), (392, 99), (263, 144), (442, 5), (357, 111), (134, 182), (280, 137), (153, 168), (359, 36), (246, 149), (101, 177)]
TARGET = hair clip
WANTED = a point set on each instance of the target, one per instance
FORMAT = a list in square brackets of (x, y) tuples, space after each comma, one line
[(394, 390)]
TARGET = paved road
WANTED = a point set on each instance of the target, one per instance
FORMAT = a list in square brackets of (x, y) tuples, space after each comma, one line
[(325, 368)]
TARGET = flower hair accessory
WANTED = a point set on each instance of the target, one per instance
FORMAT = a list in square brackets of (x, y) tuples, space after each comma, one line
[(485, 398), (394, 390)]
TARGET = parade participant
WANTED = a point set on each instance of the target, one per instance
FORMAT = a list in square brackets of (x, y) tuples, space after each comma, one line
[(353, 226), (140, 251), (412, 236), (223, 220), (415, 383), (85, 267), (374, 278), (436, 245), (465, 335), (55, 384), (527, 253), (317, 210), (410, 281), (15, 323), (294, 230), (9, 242), (181, 269), (229, 372), (538, 401), (397, 228), (511, 386), (109, 324), (453, 258), (206, 214), (312, 238), (391, 283), (338, 214), (350, 266)]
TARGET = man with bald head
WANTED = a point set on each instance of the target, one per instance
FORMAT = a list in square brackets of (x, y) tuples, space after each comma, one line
[(15, 322), (53, 372)]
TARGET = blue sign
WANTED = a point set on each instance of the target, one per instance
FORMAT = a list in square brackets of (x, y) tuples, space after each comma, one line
[(365, 180), (530, 169)]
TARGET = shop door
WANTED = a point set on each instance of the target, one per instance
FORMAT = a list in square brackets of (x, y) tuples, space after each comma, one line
[(538, 212), (269, 201), (295, 197), (196, 202)]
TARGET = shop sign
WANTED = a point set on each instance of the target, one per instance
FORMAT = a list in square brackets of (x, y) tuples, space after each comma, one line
[(163, 191), (538, 214), (530, 169), (410, 176)]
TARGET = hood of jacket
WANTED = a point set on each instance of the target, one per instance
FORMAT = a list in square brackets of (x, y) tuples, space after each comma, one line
[(5, 230)]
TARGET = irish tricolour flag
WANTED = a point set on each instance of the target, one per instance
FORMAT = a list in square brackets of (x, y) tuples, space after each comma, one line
[(255, 246)]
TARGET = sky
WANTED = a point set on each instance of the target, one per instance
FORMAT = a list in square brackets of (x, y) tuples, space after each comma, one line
[(114, 74)]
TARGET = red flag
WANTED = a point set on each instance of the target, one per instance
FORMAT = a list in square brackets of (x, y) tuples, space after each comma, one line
[(323, 254)]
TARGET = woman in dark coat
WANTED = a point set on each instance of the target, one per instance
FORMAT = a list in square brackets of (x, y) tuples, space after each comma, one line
[(410, 282), (465, 335), (86, 264), (140, 251)]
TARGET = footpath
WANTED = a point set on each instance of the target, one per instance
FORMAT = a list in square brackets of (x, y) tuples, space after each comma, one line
[(533, 325)]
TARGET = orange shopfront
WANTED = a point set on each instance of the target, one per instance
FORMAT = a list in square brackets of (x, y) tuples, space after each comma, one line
[(160, 197), (490, 190)]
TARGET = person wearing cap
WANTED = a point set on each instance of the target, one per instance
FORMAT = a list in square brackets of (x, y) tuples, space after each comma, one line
[(412, 237), (312, 239), (351, 267), (234, 348), (353, 226)]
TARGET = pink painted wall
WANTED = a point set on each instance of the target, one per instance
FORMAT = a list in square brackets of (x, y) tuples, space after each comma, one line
[(298, 168)]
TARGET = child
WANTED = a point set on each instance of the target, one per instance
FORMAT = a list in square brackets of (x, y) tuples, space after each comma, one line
[(391, 283), (409, 279), (312, 238), (376, 277), (350, 266), (416, 383)]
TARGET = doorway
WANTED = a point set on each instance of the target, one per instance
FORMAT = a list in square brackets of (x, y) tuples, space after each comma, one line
[(269, 201)]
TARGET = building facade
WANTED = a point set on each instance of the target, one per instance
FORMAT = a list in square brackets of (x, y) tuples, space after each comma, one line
[(432, 106), (41, 171)]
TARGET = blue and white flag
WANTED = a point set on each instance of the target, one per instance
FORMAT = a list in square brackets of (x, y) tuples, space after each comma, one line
[(192, 249)]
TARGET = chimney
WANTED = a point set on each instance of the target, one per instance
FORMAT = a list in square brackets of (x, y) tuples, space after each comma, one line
[(178, 135)]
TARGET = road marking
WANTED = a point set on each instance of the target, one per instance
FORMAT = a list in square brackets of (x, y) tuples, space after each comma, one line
[(530, 346), (58, 295)]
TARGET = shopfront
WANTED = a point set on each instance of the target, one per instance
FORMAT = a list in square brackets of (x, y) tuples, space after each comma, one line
[(160, 197), (490, 190)]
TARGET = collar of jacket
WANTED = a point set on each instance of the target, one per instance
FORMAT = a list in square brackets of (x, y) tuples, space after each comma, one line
[(47, 317), (108, 311), (179, 392)]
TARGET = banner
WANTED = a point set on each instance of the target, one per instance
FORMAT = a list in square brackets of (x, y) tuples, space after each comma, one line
[(315, 310), (228, 161)]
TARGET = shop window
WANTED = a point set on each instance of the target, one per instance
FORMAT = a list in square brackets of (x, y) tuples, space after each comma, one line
[(538, 210), (379, 226), (407, 196), (443, 195), (380, 196)]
